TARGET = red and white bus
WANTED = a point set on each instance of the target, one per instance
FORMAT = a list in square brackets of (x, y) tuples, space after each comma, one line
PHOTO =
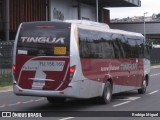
[(78, 59)]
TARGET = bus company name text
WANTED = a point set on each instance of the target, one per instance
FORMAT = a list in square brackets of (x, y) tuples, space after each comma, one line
[(123, 67), (47, 40), (128, 66)]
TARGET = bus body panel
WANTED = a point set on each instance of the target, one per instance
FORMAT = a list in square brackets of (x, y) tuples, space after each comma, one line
[(101, 70), (80, 89), (50, 76), (42, 73)]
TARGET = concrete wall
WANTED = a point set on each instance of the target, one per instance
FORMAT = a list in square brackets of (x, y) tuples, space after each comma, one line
[(64, 10)]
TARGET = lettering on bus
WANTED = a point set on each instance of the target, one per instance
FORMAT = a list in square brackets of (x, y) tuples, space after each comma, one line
[(128, 66), (122, 67), (110, 68), (34, 65), (48, 40), (51, 64)]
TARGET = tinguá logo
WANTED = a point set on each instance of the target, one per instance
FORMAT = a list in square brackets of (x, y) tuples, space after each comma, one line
[(128, 66), (47, 40)]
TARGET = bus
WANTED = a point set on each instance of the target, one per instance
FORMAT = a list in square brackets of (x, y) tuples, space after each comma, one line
[(78, 59)]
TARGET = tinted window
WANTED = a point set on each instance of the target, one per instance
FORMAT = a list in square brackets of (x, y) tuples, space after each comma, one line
[(44, 38), (133, 47), (133, 50), (140, 47), (146, 52), (95, 44), (117, 41)]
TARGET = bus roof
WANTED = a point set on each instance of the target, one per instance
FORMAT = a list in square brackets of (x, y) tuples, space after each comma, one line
[(126, 32), (86, 24), (91, 25)]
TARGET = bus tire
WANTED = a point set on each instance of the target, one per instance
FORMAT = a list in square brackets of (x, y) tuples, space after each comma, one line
[(107, 93), (144, 87), (56, 100)]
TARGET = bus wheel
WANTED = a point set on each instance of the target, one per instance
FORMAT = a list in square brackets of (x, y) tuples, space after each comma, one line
[(107, 93), (56, 100), (144, 87)]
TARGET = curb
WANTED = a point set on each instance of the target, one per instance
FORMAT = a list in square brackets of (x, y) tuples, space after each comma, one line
[(6, 88), (153, 67)]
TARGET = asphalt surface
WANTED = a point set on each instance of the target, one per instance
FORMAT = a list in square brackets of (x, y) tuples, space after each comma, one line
[(128, 101)]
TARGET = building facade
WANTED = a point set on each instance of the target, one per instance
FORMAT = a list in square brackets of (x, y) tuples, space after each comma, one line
[(21, 11), (68, 10), (48, 10)]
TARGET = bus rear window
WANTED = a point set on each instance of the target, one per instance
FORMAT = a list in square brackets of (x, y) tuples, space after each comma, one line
[(44, 39)]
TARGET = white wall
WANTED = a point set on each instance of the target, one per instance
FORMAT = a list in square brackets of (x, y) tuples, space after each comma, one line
[(64, 10)]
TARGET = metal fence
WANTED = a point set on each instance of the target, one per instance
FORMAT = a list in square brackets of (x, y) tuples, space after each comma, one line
[(5, 75), (155, 55), (6, 49)]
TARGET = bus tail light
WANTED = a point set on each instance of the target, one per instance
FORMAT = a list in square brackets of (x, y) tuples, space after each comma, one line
[(72, 71), (14, 69), (45, 26)]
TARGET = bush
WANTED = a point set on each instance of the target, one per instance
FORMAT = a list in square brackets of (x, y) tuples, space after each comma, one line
[(5, 79)]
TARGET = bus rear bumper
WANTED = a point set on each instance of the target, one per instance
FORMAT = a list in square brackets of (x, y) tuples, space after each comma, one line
[(40, 93), (82, 89)]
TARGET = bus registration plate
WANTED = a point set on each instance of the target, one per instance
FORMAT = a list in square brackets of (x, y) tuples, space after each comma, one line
[(38, 84)]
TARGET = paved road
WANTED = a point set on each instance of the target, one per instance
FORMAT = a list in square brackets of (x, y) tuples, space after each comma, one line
[(129, 101)]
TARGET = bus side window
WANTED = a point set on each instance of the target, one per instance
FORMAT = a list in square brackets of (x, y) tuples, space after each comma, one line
[(140, 47), (146, 52), (126, 47), (133, 51), (118, 49), (120, 44), (95, 44), (95, 48), (84, 53), (84, 44), (107, 47)]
